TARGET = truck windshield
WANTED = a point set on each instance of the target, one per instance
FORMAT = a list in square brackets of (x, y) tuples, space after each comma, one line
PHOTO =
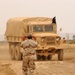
[(38, 28), (48, 28)]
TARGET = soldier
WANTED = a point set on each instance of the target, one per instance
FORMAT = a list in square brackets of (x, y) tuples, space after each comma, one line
[(28, 65)]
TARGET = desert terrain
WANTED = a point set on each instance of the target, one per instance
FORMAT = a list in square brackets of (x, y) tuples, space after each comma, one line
[(53, 67)]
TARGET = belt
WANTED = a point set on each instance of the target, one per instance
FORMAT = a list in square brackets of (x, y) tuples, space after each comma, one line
[(30, 54), (28, 46)]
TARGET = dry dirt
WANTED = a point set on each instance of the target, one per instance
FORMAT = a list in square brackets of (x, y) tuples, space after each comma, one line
[(53, 67)]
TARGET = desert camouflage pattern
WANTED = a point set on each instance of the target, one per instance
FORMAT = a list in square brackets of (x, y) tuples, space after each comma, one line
[(28, 46), (28, 65)]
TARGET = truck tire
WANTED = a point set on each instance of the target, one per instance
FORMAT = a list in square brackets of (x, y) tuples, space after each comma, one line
[(43, 57), (60, 54), (18, 55), (38, 57), (12, 51), (49, 57)]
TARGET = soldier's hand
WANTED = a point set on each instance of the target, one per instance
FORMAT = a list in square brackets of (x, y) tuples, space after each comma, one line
[(34, 38)]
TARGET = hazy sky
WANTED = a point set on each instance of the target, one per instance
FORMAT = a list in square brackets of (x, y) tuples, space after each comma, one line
[(64, 10)]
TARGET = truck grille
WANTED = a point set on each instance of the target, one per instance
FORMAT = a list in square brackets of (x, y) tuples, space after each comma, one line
[(50, 40)]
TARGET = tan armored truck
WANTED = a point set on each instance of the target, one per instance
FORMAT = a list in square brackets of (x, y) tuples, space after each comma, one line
[(45, 31)]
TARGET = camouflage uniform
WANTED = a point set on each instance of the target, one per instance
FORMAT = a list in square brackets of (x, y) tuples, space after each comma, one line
[(28, 61)]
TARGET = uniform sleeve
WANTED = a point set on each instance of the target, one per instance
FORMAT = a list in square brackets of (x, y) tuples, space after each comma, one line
[(24, 44), (34, 44), (21, 44)]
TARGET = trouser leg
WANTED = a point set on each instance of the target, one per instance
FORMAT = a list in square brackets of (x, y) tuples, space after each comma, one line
[(24, 66), (31, 67), (24, 73)]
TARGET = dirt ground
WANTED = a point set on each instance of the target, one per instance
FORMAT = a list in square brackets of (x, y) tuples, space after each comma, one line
[(53, 67)]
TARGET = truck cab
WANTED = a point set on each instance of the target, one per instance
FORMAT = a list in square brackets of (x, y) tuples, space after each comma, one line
[(48, 40)]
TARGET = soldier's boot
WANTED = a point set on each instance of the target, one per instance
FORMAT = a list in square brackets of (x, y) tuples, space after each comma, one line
[(30, 72), (24, 73)]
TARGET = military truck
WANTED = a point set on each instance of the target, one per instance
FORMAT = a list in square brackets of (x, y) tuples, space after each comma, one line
[(45, 31)]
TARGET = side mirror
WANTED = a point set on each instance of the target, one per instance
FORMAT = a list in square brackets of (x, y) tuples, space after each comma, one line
[(54, 20)]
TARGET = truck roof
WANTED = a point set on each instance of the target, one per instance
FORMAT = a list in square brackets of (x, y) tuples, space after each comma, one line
[(22, 19), (17, 26)]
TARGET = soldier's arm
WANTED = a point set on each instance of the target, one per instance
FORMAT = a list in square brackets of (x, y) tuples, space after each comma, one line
[(22, 44), (35, 44)]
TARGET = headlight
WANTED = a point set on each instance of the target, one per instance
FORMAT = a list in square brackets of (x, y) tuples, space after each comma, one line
[(57, 39), (43, 39)]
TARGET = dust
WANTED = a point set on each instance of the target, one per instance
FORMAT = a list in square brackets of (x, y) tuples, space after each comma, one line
[(53, 67)]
